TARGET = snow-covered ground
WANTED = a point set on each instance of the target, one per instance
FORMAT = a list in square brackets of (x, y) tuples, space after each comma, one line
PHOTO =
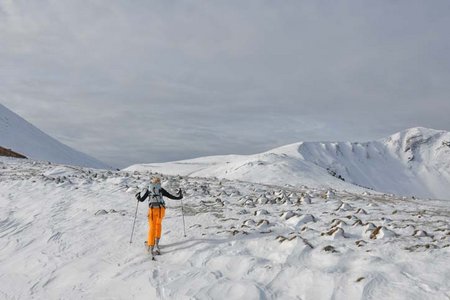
[(20, 136), (65, 235), (414, 162)]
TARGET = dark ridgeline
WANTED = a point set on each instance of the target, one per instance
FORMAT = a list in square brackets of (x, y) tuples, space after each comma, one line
[(10, 153)]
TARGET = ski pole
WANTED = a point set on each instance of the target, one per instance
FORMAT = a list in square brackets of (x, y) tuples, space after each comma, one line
[(134, 222), (182, 213)]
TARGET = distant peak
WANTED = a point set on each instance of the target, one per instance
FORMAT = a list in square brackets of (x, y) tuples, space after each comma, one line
[(422, 131), (416, 132)]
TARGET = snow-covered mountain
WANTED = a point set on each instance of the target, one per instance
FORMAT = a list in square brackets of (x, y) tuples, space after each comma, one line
[(65, 234), (22, 137), (412, 162)]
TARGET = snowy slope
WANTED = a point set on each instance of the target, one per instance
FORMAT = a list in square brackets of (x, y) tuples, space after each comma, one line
[(65, 235), (412, 162), (22, 137)]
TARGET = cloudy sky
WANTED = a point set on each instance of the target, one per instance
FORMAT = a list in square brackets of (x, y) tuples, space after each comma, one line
[(153, 81)]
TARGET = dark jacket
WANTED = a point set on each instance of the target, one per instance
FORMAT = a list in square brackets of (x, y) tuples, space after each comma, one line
[(164, 193)]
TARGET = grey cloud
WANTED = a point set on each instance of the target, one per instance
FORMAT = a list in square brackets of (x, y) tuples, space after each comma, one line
[(152, 81)]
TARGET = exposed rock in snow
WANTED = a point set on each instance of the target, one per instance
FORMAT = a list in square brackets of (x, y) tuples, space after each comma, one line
[(283, 239), (381, 232), (345, 207), (297, 221), (262, 200), (329, 248), (262, 224), (420, 233), (287, 215), (335, 232), (330, 195), (261, 212), (337, 223), (306, 199), (361, 211)]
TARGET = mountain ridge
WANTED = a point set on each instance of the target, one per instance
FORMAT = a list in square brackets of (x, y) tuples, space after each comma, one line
[(412, 162), (22, 137)]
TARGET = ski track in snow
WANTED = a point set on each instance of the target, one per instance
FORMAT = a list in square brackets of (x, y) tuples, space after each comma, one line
[(65, 235)]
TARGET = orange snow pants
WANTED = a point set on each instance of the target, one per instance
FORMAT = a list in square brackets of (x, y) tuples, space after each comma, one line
[(155, 216)]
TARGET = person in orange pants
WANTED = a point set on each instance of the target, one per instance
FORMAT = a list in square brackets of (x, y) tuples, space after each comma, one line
[(155, 216), (156, 211)]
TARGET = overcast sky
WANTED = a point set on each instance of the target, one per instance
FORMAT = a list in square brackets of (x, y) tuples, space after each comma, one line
[(153, 81)]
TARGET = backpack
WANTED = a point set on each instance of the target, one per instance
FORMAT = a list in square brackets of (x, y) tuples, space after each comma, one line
[(155, 195)]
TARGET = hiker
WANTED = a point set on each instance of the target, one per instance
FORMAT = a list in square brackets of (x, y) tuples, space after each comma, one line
[(156, 211)]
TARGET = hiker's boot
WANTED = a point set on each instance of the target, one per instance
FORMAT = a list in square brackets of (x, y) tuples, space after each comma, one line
[(157, 250)]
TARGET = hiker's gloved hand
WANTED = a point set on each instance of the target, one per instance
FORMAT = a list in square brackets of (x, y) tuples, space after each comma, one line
[(138, 196), (180, 193)]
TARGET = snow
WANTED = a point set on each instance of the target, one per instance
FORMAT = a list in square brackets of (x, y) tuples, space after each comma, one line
[(414, 162), (65, 235), (24, 138)]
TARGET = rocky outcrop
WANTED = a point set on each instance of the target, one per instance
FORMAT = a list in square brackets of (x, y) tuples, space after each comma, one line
[(10, 153)]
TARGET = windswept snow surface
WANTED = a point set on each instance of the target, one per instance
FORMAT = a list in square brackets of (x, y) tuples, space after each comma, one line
[(22, 137), (414, 162), (65, 235)]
